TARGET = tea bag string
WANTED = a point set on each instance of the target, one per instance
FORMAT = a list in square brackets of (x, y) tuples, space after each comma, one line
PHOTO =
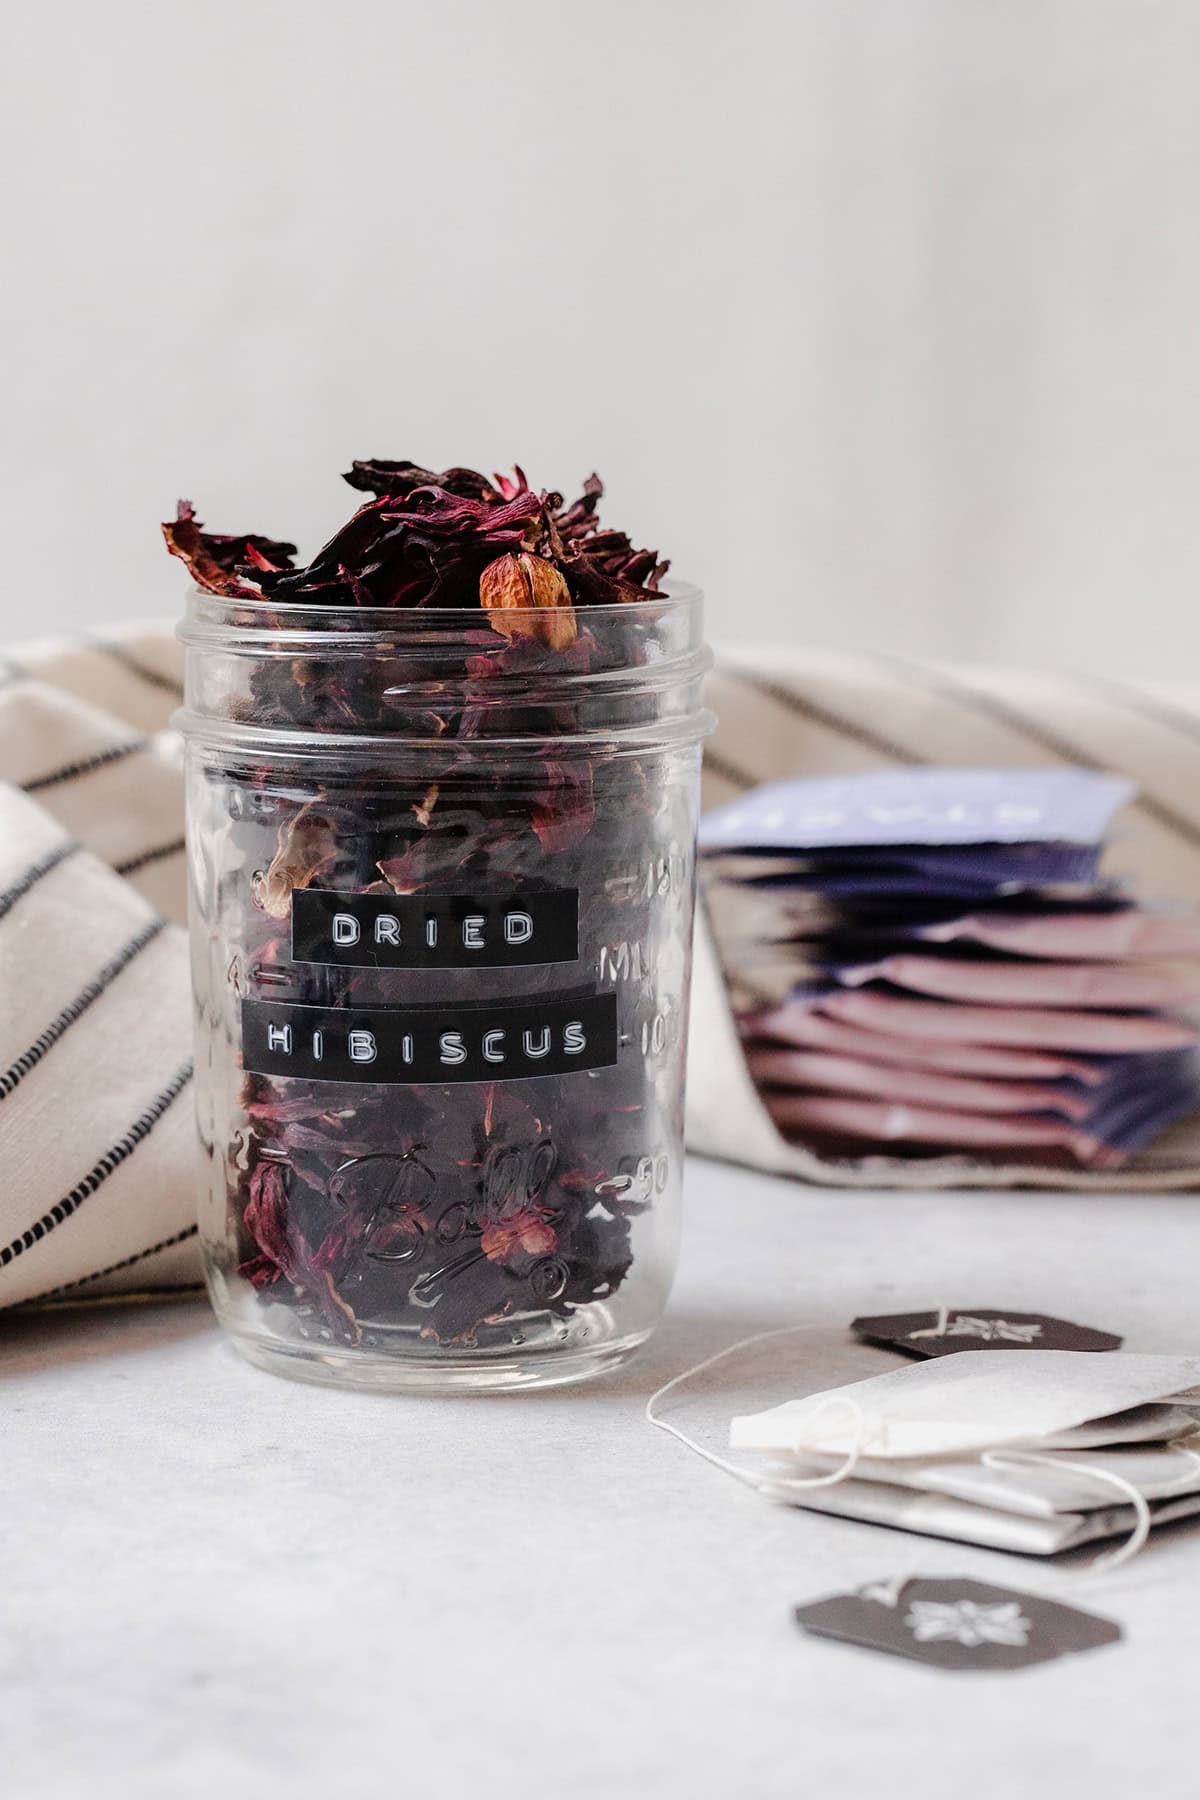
[(760, 1483), (1002, 1460), (935, 1331)]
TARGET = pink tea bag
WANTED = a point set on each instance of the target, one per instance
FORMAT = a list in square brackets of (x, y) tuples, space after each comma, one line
[(1035, 983), (883, 1122), (832, 1074), (798, 1022), (1099, 1032), (1115, 936)]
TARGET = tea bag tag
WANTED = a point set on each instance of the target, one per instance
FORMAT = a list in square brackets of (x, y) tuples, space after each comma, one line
[(956, 1623), (951, 1329)]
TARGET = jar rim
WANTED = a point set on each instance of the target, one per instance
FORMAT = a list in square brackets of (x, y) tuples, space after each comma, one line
[(259, 619), (649, 696)]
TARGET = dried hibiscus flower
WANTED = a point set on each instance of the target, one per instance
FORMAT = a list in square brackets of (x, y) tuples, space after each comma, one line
[(453, 538), (516, 583)]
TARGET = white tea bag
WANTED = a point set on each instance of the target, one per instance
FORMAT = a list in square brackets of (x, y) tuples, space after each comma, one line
[(1037, 1453), (964, 1405), (1057, 1483), (1157, 1424), (990, 1527)]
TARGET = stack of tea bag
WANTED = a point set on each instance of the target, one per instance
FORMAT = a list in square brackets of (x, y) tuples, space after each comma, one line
[(1037, 1452), (931, 957)]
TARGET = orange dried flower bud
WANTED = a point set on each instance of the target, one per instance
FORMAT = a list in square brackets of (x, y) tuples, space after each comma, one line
[(521, 583)]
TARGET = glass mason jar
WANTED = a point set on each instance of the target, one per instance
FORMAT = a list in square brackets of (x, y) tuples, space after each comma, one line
[(442, 875)]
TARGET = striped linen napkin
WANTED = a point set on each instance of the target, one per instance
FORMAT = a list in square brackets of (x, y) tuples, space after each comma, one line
[(785, 712), (98, 1142)]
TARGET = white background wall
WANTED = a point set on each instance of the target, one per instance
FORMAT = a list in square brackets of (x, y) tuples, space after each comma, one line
[(882, 317)]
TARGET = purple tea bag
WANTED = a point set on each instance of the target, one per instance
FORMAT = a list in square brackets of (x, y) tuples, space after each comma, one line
[(1026, 1027), (873, 922), (1132, 1087), (1104, 1125), (956, 872), (811, 1071), (882, 1122), (1130, 1112), (1123, 934), (920, 806), (1009, 982), (806, 1028), (888, 1124)]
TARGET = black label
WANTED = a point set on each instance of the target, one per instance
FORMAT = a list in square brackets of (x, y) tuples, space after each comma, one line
[(428, 931), (427, 1046), (947, 1332)]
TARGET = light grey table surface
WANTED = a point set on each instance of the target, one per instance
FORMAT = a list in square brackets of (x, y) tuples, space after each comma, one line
[(218, 1583)]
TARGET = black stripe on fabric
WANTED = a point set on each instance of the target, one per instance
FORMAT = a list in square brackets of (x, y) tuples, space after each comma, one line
[(99, 1173), (69, 1299), (716, 764), (126, 1262), (57, 1028), (822, 715), (119, 654), (159, 854), (34, 874), (101, 760), (1046, 738)]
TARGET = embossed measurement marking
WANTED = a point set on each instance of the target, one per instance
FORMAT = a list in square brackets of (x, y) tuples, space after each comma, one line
[(622, 962)]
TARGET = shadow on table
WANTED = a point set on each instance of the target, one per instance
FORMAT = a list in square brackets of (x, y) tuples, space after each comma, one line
[(801, 1357), (54, 1337)]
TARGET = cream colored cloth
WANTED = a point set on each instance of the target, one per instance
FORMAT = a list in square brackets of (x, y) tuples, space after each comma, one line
[(96, 1132), (783, 712)]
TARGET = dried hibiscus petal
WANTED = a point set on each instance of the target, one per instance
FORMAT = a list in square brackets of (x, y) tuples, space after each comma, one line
[(376, 476), (307, 847), (284, 1254), (528, 1234), (213, 557), (265, 1218), (565, 810), (423, 808)]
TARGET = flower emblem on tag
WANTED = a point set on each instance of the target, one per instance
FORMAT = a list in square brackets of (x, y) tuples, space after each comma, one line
[(956, 1623), (968, 1623), (989, 1331)]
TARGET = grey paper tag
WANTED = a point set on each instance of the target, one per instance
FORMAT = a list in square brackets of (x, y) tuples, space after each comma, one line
[(957, 1623), (980, 1328)]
